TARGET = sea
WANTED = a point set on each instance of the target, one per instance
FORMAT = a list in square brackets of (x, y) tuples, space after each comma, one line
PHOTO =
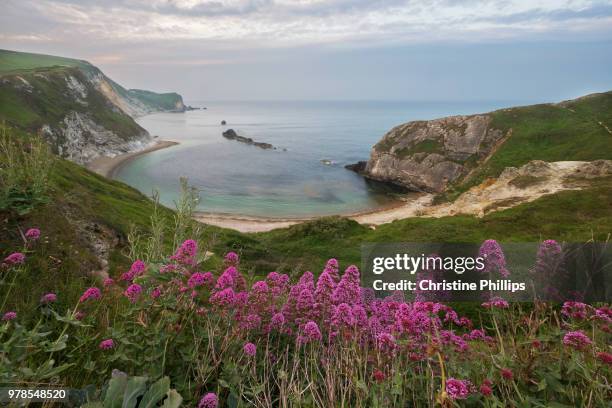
[(303, 177)]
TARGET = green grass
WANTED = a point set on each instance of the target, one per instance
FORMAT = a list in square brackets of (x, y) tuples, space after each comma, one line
[(12, 61), (425, 146)]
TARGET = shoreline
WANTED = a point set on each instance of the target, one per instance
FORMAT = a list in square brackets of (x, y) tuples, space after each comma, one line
[(108, 166), (376, 216), (408, 206)]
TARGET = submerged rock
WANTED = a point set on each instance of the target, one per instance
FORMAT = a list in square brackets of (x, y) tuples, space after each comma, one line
[(223, 123)]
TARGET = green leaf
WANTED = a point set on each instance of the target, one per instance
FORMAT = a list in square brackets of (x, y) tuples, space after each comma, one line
[(155, 393), (136, 386), (93, 405), (116, 389), (173, 400)]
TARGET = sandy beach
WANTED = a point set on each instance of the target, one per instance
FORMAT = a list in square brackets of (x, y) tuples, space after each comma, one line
[(108, 166), (402, 209)]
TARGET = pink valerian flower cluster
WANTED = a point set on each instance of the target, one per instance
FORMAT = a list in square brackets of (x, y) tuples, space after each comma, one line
[(604, 357), (108, 282), (106, 344), (133, 292), (91, 293), (250, 349), (8, 316), (577, 340), (549, 268), (186, 254), (16, 258), (209, 400), (494, 258), (497, 303), (48, 298), (457, 389), (198, 279), (32, 234), (231, 259), (138, 268), (576, 310), (309, 332)]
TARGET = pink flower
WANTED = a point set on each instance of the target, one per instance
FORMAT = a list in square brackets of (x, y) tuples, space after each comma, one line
[(576, 340), (486, 390), (32, 234), (48, 298), (576, 310), (138, 268), (604, 357), (223, 298), (496, 302), (494, 258), (79, 315), (209, 400), (277, 321), (379, 376), (106, 344), (155, 293), (506, 373), (348, 289), (16, 258), (108, 282), (457, 389), (133, 292), (310, 332), (199, 279), (250, 349), (90, 293), (231, 258), (385, 342), (186, 253), (8, 316), (167, 268)]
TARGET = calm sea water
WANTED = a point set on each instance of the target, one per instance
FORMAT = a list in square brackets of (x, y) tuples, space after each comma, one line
[(236, 178)]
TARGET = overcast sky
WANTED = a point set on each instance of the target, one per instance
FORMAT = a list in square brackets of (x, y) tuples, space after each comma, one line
[(329, 49)]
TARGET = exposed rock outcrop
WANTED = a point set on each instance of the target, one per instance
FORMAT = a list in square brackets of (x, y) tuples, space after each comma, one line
[(232, 135), (428, 155)]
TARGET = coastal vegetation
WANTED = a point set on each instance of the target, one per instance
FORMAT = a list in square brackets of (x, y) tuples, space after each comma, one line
[(131, 303)]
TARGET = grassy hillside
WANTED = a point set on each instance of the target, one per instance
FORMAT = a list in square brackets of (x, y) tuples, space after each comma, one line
[(31, 99), (14, 61), (580, 129), (22, 63)]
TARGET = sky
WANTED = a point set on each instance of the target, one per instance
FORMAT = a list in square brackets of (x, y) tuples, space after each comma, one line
[(430, 50)]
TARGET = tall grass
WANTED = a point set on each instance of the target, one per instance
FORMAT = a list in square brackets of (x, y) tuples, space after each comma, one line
[(25, 164)]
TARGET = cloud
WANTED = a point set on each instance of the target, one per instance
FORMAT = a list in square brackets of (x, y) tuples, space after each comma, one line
[(299, 22)]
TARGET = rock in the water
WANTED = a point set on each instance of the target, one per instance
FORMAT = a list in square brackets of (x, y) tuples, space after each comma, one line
[(232, 135), (223, 123), (358, 167)]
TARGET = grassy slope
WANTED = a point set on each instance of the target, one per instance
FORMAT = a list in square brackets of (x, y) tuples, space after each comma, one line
[(49, 102), (572, 130), (13, 62)]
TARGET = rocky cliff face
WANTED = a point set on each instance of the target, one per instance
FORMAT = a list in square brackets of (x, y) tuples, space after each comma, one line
[(428, 155), (81, 112)]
